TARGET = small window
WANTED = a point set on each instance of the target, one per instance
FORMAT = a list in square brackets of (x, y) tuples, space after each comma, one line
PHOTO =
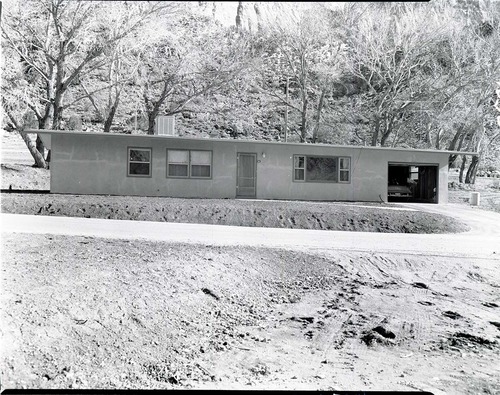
[(189, 164), (344, 169), (414, 173), (139, 162), (201, 164), (321, 168), (178, 163), (299, 170)]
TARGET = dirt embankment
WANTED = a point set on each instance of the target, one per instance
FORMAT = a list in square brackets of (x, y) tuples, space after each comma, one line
[(86, 312), (370, 217)]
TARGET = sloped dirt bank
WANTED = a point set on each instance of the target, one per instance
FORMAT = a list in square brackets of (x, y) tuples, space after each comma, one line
[(84, 312), (371, 217)]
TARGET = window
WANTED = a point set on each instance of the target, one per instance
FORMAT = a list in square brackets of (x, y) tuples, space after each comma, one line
[(178, 163), (189, 164), (139, 162), (414, 173), (344, 169), (321, 168), (299, 168), (201, 164)]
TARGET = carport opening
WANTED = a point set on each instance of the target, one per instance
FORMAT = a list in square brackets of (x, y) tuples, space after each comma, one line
[(412, 183)]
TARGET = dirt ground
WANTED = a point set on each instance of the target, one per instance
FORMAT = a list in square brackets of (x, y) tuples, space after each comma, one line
[(136, 314), (88, 312), (295, 215)]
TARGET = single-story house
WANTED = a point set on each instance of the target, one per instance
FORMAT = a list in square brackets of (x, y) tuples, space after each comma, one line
[(170, 166)]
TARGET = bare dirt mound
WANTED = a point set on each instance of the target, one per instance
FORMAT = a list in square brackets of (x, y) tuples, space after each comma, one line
[(371, 217)]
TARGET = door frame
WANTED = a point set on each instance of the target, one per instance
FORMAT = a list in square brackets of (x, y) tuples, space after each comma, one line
[(254, 154)]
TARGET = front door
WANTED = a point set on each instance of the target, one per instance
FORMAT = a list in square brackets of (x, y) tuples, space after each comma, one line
[(246, 181)]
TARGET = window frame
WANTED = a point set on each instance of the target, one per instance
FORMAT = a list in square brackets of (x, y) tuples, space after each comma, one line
[(339, 169), (210, 164), (176, 163), (348, 170), (296, 159), (189, 175), (150, 149)]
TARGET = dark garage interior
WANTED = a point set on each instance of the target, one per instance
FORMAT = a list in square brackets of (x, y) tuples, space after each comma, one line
[(412, 183)]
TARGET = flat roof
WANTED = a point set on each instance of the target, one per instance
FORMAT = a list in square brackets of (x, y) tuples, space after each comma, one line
[(48, 133)]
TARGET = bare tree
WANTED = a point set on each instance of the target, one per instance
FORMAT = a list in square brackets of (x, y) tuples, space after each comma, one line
[(57, 42), (390, 53), (300, 66), (197, 58), (475, 69)]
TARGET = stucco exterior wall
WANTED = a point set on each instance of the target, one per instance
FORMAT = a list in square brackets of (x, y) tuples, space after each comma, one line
[(85, 163)]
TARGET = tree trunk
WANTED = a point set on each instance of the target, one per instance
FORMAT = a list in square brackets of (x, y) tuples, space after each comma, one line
[(111, 115), (470, 177), (376, 131), (451, 147), (438, 139), (45, 122), (57, 116), (384, 138), (388, 130), (303, 126), (462, 169), (39, 159), (151, 121), (318, 117), (259, 18), (153, 112), (40, 147), (428, 137), (239, 15)]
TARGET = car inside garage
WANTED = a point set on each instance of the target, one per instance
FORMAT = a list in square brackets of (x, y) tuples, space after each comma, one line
[(411, 182)]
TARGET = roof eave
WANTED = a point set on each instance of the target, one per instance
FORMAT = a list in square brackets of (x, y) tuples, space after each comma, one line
[(48, 132)]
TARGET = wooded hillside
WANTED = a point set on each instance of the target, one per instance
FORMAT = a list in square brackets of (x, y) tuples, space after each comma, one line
[(421, 75)]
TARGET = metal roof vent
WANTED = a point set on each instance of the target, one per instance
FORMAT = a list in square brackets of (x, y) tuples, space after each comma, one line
[(165, 125)]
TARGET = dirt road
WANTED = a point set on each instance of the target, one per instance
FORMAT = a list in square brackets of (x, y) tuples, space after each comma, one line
[(482, 222), (483, 241)]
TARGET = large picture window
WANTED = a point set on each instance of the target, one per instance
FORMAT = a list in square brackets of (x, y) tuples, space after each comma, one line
[(321, 168), (139, 162), (189, 164)]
